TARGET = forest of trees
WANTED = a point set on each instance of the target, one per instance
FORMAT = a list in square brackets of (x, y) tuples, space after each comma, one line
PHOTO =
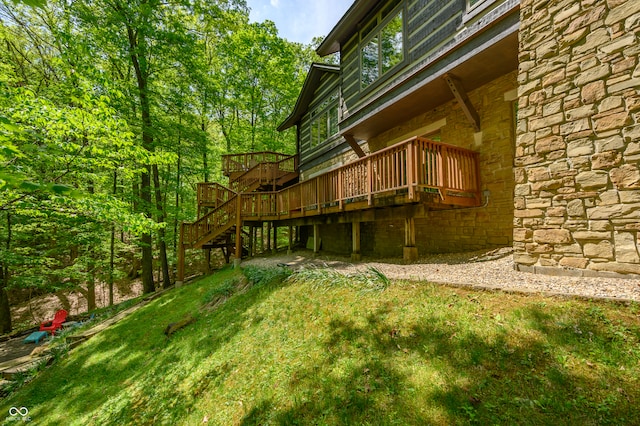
[(110, 112)]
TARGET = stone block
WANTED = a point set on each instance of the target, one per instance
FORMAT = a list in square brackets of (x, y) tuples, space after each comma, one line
[(626, 176), (628, 197), (622, 12), (598, 72), (594, 179), (549, 144), (552, 236), (610, 103), (608, 198), (600, 225), (540, 123), (606, 160), (609, 144), (580, 112), (620, 268), (575, 208), (600, 250), (591, 235), (624, 85), (580, 147), (575, 249), (537, 174), (617, 44), (522, 189), (524, 259), (522, 234), (574, 262), (631, 133), (610, 212), (528, 213), (611, 121), (575, 126), (593, 92), (626, 248)]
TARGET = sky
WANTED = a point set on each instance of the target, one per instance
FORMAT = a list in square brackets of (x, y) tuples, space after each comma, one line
[(299, 20)]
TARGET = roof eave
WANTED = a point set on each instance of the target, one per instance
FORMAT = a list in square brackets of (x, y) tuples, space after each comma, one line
[(306, 93), (346, 27)]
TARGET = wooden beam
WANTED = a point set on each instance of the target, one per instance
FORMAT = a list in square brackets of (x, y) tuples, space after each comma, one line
[(238, 257), (355, 239), (462, 98), (354, 145)]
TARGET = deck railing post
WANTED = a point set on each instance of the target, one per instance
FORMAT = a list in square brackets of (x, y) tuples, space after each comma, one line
[(238, 256), (340, 192), (317, 181), (411, 169), (369, 181)]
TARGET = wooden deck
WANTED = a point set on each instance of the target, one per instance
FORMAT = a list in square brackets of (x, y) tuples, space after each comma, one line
[(417, 170)]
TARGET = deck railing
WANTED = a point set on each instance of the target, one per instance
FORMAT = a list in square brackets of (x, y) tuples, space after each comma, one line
[(213, 194), (233, 163), (407, 168)]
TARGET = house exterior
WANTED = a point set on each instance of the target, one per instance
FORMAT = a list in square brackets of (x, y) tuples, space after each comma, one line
[(465, 124), (446, 71)]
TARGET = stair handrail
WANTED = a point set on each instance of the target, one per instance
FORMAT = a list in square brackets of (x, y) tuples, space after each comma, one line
[(222, 193), (268, 172), (211, 223)]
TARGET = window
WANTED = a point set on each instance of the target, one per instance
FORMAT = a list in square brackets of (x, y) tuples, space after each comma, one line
[(381, 49), (324, 120)]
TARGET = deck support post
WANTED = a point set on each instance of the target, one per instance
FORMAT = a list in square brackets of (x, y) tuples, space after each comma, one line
[(268, 236), (290, 248), (355, 239), (180, 277), (410, 251), (238, 257), (275, 239), (252, 241), (316, 239)]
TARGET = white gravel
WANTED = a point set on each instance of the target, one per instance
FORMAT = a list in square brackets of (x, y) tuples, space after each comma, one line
[(482, 269)]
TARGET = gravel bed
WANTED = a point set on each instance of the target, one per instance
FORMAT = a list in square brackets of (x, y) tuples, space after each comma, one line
[(481, 269)]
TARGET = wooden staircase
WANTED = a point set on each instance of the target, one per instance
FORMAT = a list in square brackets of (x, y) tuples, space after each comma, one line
[(218, 205)]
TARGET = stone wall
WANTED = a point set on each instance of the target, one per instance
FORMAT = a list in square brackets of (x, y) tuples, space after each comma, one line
[(459, 230), (577, 192)]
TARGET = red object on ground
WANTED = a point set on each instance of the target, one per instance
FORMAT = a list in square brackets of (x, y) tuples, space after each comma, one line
[(55, 323)]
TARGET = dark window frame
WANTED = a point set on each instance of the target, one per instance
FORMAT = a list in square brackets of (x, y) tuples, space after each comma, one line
[(373, 30)]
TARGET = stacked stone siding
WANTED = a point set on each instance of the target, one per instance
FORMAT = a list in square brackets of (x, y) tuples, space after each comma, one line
[(456, 230), (577, 175)]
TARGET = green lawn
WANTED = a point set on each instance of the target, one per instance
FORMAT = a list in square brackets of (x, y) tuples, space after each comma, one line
[(358, 351)]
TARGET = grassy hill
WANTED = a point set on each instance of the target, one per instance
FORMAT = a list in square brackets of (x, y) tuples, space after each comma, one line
[(322, 349)]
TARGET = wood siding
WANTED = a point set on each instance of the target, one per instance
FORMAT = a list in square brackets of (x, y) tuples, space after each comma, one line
[(433, 29), (309, 155)]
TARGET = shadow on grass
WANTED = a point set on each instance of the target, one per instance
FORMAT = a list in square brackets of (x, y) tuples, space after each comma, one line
[(140, 372), (545, 365)]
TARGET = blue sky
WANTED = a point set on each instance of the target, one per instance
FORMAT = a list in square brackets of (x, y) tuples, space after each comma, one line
[(299, 20)]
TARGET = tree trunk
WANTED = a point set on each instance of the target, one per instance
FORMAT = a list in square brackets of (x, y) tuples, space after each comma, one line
[(5, 311), (162, 244), (137, 50), (112, 247)]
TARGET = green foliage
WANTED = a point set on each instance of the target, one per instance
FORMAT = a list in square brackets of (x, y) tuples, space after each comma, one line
[(325, 278), (415, 353), (261, 276), (96, 95)]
